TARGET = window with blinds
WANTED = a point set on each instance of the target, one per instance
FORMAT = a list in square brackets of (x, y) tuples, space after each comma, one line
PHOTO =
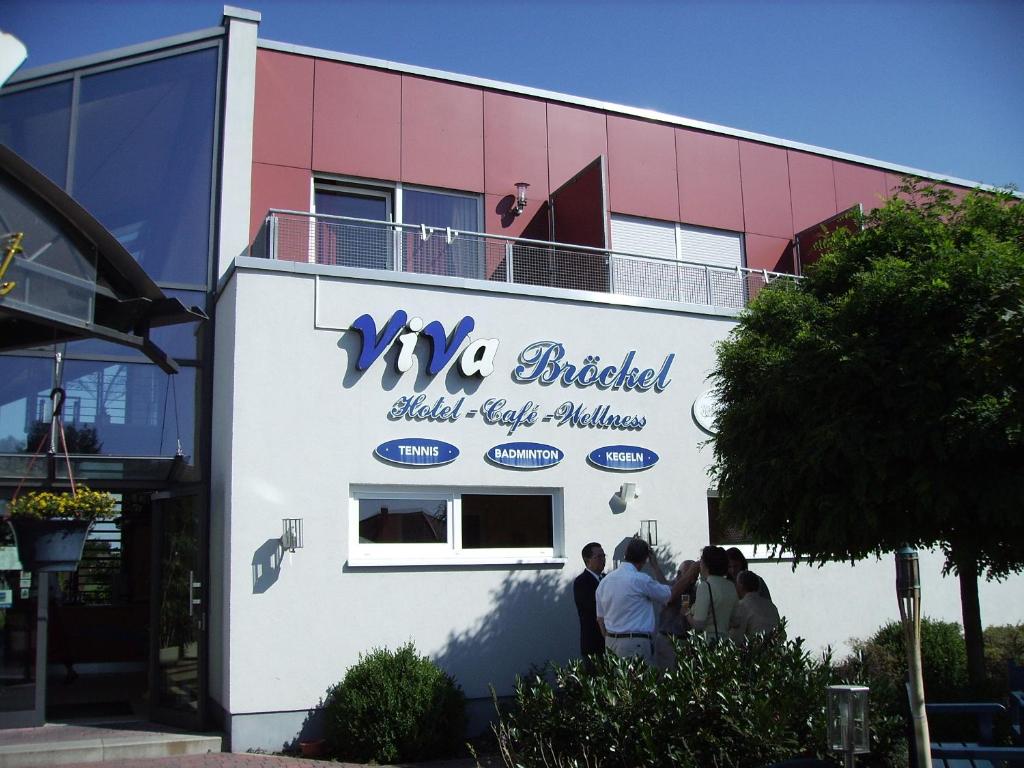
[(677, 262)]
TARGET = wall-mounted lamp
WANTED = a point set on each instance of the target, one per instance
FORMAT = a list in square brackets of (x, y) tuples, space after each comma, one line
[(649, 531), (520, 204), (291, 533)]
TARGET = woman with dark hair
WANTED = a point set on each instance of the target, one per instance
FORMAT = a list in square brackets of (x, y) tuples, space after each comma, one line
[(716, 596), (737, 565)]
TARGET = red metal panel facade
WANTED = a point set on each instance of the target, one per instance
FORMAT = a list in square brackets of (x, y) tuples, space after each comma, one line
[(766, 202), (858, 184), (442, 134), (277, 186), (642, 168), (357, 121), (772, 253), (283, 124), (322, 116), (575, 137), (812, 189), (515, 145), (710, 194)]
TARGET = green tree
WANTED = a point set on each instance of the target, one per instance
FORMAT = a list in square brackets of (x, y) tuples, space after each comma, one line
[(879, 401)]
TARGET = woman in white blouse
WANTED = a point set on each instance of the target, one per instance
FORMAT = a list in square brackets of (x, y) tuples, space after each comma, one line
[(716, 596)]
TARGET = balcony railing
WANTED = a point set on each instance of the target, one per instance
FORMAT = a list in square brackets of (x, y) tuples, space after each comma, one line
[(351, 242)]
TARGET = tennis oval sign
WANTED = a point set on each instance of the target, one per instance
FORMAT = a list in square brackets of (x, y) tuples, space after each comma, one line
[(525, 455), (417, 452), (623, 458)]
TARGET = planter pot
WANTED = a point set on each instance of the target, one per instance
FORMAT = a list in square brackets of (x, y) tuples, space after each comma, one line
[(47, 546), (313, 748)]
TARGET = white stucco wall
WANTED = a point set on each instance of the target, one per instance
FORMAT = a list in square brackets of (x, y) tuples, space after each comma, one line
[(303, 426)]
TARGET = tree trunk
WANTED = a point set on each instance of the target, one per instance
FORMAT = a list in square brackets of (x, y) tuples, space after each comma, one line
[(967, 569)]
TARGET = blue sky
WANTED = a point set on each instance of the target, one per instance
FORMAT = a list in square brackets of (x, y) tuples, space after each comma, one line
[(931, 84)]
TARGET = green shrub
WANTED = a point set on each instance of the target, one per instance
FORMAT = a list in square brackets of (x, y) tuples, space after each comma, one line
[(943, 661), (720, 706), (394, 706), (1003, 644)]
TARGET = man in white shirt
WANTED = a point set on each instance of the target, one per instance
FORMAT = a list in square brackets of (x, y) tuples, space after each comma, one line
[(628, 601), (754, 614)]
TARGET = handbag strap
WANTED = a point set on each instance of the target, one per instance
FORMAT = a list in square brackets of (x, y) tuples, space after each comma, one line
[(714, 616)]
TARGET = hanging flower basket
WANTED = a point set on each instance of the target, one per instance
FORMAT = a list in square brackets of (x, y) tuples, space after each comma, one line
[(50, 528)]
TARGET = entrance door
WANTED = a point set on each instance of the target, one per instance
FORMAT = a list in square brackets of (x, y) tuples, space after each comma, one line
[(23, 618), (178, 679)]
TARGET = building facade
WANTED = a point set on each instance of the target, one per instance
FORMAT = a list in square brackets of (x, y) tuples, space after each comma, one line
[(424, 386)]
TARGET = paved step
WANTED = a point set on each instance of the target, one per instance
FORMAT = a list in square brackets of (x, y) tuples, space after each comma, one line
[(55, 744)]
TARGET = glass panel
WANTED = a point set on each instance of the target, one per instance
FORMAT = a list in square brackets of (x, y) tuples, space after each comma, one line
[(403, 521), (180, 615), (52, 275), (500, 522), (25, 384), (144, 158), (18, 635), (179, 341), (128, 409), (35, 124), (463, 256), (353, 244)]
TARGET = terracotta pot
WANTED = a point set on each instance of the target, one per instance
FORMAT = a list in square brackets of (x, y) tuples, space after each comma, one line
[(313, 748), (46, 546)]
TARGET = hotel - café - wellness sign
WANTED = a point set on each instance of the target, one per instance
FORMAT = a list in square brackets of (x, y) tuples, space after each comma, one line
[(540, 362)]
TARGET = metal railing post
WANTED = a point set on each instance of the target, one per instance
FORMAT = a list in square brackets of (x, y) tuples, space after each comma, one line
[(272, 236), (508, 263), (396, 248), (707, 282), (611, 272)]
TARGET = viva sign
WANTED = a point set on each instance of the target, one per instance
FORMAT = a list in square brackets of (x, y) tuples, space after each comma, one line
[(477, 359)]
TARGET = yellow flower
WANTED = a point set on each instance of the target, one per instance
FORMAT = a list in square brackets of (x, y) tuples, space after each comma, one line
[(86, 504)]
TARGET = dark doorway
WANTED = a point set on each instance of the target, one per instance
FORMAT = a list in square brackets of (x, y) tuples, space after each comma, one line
[(98, 625)]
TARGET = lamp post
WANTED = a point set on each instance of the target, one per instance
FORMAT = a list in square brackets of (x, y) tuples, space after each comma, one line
[(908, 592), (848, 730)]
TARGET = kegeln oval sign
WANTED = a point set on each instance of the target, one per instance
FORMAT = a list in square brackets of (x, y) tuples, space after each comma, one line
[(623, 458), (417, 452), (525, 455)]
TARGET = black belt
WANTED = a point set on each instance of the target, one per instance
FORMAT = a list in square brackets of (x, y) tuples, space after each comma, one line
[(644, 635)]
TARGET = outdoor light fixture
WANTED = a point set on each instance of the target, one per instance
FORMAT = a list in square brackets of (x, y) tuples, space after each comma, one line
[(908, 592), (291, 533), (848, 721), (520, 204), (649, 531)]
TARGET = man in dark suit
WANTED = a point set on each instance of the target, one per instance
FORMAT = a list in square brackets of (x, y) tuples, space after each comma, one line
[(583, 589)]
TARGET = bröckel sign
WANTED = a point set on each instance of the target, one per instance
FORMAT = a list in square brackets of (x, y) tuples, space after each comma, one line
[(525, 455), (623, 458), (417, 452)]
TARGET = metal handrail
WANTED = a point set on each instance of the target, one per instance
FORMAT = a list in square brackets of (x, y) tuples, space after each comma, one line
[(418, 248), (525, 241)]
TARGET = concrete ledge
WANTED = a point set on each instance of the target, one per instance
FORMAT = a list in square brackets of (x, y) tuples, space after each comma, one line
[(126, 745)]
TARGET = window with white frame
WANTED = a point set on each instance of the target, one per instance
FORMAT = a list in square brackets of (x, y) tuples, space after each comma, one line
[(413, 526), (432, 244), (678, 262)]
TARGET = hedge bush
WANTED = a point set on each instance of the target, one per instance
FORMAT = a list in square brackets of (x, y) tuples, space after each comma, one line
[(720, 706), (394, 706)]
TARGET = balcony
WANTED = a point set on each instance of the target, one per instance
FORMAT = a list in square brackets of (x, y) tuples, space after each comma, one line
[(350, 242)]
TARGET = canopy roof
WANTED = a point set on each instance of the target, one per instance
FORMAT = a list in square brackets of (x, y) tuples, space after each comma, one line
[(72, 279)]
